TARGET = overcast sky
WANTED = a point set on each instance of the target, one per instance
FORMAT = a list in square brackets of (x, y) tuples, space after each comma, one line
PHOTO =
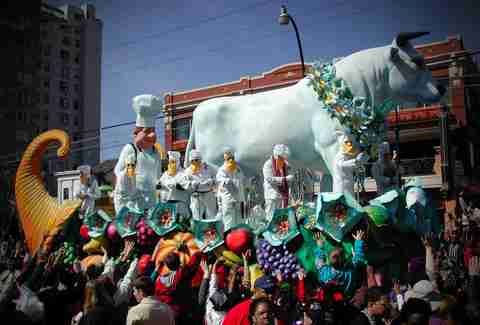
[(154, 47)]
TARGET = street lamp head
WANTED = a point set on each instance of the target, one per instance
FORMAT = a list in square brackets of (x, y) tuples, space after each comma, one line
[(283, 19)]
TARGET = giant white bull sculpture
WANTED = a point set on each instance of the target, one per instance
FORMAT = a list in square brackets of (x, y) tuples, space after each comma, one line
[(252, 124)]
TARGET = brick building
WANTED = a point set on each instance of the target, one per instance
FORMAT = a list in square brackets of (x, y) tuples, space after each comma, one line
[(419, 127)]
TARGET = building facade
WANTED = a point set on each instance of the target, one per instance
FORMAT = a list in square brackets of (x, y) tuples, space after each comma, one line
[(418, 126), (19, 80), (70, 80), (51, 79)]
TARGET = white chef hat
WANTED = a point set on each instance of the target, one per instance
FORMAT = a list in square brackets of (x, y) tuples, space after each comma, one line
[(383, 149), (281, 150), (174, 155), (147, 107), (85, 170), (195, 154), (229, 150)]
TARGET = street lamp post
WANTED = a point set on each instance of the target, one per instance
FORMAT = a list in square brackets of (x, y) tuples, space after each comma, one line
[(445, 151), (284, 19)]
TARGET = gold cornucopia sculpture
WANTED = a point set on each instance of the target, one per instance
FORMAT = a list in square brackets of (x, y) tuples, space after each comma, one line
[(41, 215)]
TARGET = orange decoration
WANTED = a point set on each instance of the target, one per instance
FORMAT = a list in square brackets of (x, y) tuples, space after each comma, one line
[(40, 214), (182, 243), (91, 260)]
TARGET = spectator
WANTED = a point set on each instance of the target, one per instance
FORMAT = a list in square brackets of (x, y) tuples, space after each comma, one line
[(150, 310), (239, 315), (261, 312)]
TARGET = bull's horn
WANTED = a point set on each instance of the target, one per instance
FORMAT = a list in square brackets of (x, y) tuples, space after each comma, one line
[(403, 38), (41, 215)]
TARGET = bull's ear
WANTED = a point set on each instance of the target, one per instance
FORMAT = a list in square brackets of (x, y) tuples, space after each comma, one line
[(392, 53)]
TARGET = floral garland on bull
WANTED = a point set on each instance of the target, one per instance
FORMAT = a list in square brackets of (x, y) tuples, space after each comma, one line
[(364, 122)]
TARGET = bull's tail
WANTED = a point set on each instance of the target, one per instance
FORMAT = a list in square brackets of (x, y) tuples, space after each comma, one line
[(190, 145)]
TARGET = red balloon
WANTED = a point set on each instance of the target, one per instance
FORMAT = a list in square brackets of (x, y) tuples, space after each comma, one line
[(84, 232), (238, 240)]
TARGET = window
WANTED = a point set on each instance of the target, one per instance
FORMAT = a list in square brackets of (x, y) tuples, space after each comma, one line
[(66, 194), (65, 28), (181, 129), (45, 116), (77, 59), (77, 31), (46, 84), (78, 16), (63, 102), (65, 73), (46, 98), (66, 41), (76, 87), (44, 33), (77, 43), (64, 55), (46, 67), (63, 87), (64, 118), (47, 50), (75, 105), (75, 121)]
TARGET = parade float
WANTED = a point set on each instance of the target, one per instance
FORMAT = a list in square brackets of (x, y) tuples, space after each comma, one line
[(338, 124)]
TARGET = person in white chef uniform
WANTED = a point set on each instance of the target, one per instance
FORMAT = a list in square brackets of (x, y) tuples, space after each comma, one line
[(88, 191), (199, 180), (346, 161), (231, 190), (277, 176), (147, 158), (170, 184), (125, 193)]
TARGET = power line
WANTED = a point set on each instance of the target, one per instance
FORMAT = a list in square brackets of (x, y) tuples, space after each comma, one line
[(196, 24), (224, 46), (255, 27)]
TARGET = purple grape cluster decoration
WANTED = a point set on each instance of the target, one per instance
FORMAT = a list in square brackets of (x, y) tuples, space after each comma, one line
[(277, 259), (145, 235)]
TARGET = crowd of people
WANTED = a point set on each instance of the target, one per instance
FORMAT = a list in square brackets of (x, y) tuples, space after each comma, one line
[(442, 287)]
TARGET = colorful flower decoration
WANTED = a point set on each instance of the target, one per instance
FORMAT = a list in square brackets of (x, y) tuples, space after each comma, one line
[(364, 122), (208, 234), (97, 222), (282, 228), (163, 218), (337, 214), (126, 221)]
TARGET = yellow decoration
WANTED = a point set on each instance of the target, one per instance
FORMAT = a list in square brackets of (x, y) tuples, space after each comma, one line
[(130, 170), (348, 148), (91, 260), (231, 165), (95, 245), (255, 273), (196, 167), (172, 168), (160, 150), (40, 214)]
